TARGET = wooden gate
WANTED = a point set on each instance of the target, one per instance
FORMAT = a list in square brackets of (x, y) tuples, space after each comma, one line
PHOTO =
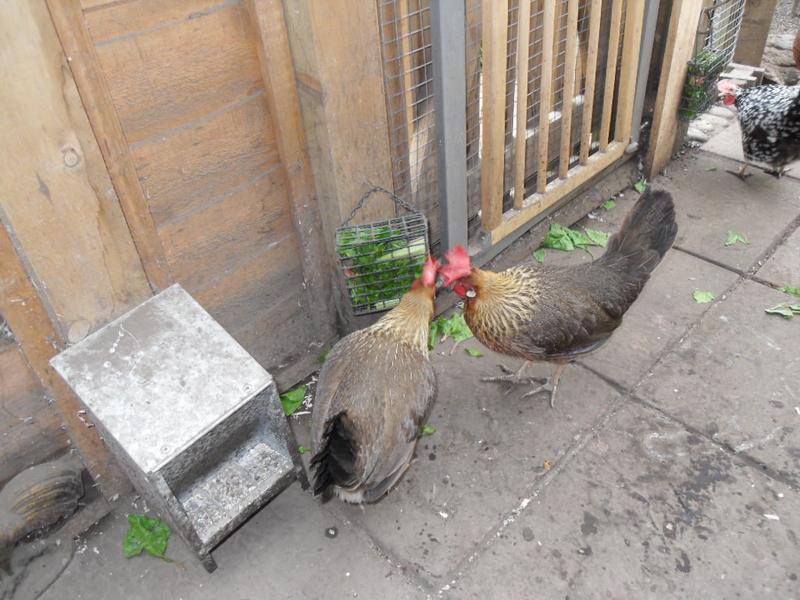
[(557, 95), (195, 106)]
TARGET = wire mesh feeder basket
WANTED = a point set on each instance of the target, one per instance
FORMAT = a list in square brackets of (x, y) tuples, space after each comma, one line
[(380, 260)]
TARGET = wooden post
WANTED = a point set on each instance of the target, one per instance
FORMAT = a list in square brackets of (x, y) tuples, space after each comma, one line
[(523, 38), (680, 45), (545, 93), (79, 47), (569, 88), (629, 70), (756, 23), (284, 108), (591, 79), (611, 73), (495, 28)]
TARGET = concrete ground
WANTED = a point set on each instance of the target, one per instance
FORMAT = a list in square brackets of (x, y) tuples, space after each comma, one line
[(670, 467)]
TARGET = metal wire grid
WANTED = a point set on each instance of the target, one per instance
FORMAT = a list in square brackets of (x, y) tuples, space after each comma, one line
[(717, 35), (380, 260), (406, 47)]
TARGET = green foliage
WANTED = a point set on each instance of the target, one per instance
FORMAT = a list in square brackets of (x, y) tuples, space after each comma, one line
[(640, 186), (539, 255), (784, 309), (703, 297), (293, 399), (454, 327), (566, 239), (609, 204), (734, 238), (428, 430), (473, 352), (147, 534), (379, 261)]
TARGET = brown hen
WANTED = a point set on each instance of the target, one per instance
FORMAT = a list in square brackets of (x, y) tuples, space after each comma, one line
[(372, 396), (545, 313)]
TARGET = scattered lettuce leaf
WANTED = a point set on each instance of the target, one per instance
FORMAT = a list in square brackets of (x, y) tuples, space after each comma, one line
[(784, 309), (640, 186), (147, 534), (303, 449), (473, 352), (702, 297), (539, 255), (428, 430), (793, 291), (609, 204), (600, 238), (324, 356), (711, 168), (455, 327), (734, 238), (292, 399)]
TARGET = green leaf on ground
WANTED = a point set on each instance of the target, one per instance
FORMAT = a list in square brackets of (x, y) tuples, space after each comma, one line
[(566, 239), (455, 327), (600, 238), (702, 297), (640, 186), (324, 356), (473, 352), (147, 534), (303, 449), (734, 238), (793, 291), (428, 430), (609, 204), (784, 309), (539, 255), (711, 168), (292, 399)]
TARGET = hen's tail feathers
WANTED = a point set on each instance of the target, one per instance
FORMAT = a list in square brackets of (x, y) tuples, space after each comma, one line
[(335, 460), (645, 236)]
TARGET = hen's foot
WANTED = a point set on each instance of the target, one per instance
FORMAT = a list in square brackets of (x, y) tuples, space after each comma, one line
[(547, 386), (740, 173), (513, 378), (778, 173)]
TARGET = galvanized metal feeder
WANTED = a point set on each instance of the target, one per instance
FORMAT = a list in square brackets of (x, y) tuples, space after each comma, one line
[(380, 260), (191, 417)]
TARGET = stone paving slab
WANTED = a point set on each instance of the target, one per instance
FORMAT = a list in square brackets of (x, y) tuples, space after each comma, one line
[(281, 553), (727, 142), (735, 377), (488, 451), (711, 203), (647, 510), (783, 267), (659, 317)]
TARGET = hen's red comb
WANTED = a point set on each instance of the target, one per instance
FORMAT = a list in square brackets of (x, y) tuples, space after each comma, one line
[(429, 272), (458, 265)]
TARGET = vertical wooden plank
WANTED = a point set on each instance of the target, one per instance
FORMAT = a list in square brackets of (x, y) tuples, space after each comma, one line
[(629, 68), (79, 47), (756, 23), (284, 108), (591, 79), (495, 28), (25, 313), (569, 88), (545, 92), (611, 73), (523, 39), (680, 45)]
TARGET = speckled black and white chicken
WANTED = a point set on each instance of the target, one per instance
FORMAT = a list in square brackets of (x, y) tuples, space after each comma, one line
[(769, 116)]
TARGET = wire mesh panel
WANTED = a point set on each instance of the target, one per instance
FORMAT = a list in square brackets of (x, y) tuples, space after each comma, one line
[(719, 29), (405, 27)]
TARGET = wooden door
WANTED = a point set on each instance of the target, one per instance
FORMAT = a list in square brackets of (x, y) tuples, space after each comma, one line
[(194, 106)]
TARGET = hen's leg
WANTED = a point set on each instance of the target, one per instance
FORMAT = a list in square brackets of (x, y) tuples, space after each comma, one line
[(550, 385), (741, 172), (513, 378), (779, 172)]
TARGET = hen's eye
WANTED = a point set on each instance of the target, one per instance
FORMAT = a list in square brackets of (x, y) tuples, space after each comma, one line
[(471, 293)]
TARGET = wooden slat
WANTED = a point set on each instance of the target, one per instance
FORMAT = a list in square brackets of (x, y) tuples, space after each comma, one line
[(556, 191), (523, 39), (97, 101), (611, 73), (284, 107), (56, 196), (161, 78), (569, 88), (25, 313), (634, 21), (495, 28), (545, 93), (189, 168), (680, 44), (591, 79)]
